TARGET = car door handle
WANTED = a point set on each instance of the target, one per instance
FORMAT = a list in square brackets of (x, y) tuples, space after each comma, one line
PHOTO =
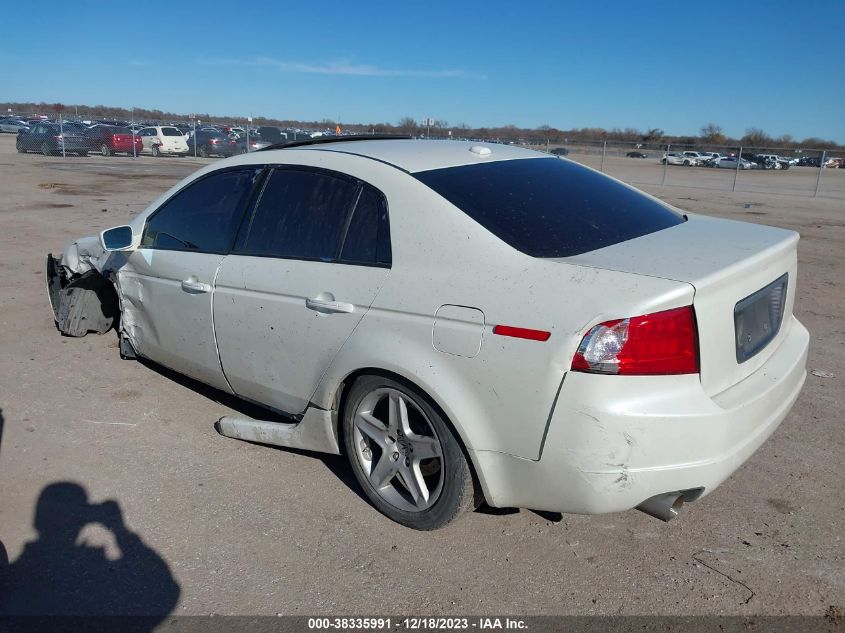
[(321, 305), (193, 286)]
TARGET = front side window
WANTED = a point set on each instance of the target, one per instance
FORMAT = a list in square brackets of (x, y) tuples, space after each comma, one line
[(204, 216), (301, 215)]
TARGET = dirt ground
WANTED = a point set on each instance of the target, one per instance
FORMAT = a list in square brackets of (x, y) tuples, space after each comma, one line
[(248, 529)]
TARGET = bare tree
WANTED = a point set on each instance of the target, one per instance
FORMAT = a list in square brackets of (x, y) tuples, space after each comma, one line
[(713, 133), (408, 125), (755, 137)]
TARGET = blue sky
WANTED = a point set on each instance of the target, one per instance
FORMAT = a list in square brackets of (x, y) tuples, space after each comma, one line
[(774, 65)]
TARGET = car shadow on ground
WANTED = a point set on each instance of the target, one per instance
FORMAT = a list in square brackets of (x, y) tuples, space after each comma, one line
[(336, 464), (61, 574)]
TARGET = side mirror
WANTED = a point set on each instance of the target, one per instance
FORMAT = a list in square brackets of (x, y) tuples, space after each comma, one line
[(117, 239)]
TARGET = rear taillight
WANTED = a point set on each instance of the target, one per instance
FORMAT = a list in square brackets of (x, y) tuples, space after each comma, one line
[(213, 141), (663, 343)]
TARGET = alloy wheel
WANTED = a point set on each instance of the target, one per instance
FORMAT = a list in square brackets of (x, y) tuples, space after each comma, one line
[(398, 449)]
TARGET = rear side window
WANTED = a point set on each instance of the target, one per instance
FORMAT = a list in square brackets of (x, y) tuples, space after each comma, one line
[(204, 216), (170, 131), (368, 237), (547, 207), (301, 215)]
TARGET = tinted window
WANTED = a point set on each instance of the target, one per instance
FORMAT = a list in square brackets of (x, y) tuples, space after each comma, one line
[(368, 237), (170, 131), (301, 215), (204, 216), (548, 207)]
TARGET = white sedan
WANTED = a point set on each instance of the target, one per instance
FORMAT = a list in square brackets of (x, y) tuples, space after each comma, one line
[(730, 162), (465, 322)]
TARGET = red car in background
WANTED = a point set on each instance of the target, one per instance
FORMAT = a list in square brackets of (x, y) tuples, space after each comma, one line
[(110, 139)]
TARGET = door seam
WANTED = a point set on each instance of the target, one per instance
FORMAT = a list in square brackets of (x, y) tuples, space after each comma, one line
[(214, 327)]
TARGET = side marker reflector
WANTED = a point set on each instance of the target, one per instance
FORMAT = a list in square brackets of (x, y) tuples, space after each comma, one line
[(521, 332)]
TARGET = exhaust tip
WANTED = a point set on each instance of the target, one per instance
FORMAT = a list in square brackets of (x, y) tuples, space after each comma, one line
[(668, 505)]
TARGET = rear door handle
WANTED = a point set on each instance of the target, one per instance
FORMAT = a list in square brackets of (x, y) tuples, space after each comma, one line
[(191, 285), (321, 305)]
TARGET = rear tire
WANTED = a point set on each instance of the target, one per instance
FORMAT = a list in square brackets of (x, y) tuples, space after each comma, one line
[(105, 150), (204, 152), (384, 423), (45, 149), (156, 152)]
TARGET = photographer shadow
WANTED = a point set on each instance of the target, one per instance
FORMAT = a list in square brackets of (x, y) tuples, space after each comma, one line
[(59, 575)]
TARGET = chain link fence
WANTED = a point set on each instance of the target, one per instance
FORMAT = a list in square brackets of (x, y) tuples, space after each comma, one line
[(786, 171), (793, 171)]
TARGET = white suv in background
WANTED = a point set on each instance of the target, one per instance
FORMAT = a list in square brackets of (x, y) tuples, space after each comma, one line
[(163, 139)]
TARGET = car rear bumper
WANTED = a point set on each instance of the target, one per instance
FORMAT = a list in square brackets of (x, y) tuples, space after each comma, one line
[(615, 441), (171, 149), (126, 147)]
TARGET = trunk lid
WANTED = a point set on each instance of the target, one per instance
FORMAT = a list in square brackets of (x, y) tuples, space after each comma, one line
[(727, 262)]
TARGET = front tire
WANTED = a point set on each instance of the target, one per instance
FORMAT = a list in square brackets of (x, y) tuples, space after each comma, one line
[(45, 149), (204, 152), (405, 455), (105, 150), (156, 151)]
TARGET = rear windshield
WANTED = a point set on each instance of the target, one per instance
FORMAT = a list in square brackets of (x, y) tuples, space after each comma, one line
[(170, 131), (548, 207)]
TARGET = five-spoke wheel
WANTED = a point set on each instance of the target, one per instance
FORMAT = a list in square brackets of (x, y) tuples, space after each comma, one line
[(404, 454)]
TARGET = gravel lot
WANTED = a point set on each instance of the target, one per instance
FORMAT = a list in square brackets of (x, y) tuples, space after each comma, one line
[(248, 529)]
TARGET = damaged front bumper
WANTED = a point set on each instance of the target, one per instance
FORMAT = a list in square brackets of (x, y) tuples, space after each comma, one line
[(82, 296)]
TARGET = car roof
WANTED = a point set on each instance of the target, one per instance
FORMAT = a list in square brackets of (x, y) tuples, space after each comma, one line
[(412, 155)]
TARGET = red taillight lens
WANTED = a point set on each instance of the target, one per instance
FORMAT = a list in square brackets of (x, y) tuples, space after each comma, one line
[(663, 343)]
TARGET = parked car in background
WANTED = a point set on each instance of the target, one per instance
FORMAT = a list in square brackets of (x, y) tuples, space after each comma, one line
[(675, 158), (13, 126), (49, 139), (111, 139), (163, 140), (696, 158), (210, 143), (771, 161), (272, 134), (636, 154), (730, 162), (834, 163), (333, 297), (255, 143), (709, 158), (560, 151)]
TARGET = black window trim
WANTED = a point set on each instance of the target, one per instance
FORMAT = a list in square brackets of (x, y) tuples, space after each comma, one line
[(253, 207), (243, 210)]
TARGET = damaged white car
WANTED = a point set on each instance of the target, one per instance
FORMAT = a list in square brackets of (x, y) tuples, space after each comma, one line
[(465, 322)]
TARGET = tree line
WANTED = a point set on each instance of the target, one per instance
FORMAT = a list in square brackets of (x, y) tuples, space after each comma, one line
[(710, 134)]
